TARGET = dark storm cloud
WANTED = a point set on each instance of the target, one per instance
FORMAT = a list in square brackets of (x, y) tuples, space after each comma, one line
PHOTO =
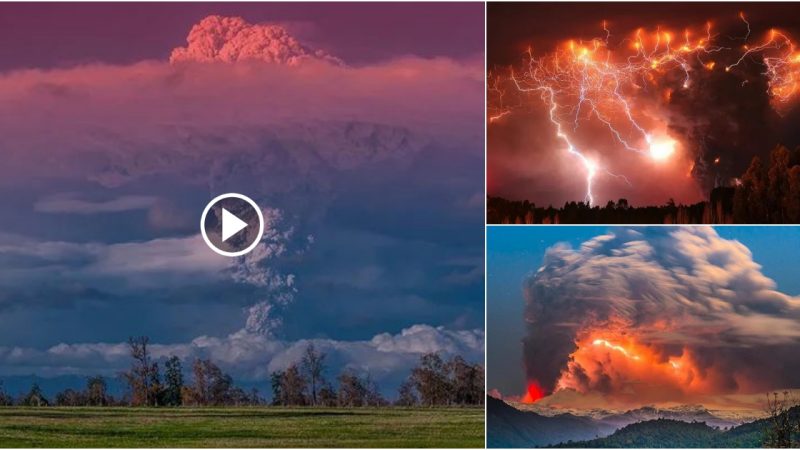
[(512, 27)]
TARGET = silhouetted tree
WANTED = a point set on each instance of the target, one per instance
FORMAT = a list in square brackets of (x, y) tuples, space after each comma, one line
[(781, 425), (407, 395), (140, 376), (352, 391), (70, 397), (294, 386), (5, 399), (96, 394), (778, 187), (212, 386), (467, 382), (792, 200), (173, 380), (327, 395), (372, 393), (313, 366), (34, 397), (431, 380), (276, 382)]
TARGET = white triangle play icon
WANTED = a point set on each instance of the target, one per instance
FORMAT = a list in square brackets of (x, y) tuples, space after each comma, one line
[(231, 224)]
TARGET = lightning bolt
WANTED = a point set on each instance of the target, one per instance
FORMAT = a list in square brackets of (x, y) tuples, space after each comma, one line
[(582, 81)]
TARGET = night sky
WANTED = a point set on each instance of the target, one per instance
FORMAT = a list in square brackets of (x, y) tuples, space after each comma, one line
[(718, 114)]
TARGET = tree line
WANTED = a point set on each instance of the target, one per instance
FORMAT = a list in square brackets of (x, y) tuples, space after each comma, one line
[(765, 193), (433, 382), (783, 421)]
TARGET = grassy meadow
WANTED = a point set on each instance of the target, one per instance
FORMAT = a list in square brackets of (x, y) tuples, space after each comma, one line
[(241, 427)]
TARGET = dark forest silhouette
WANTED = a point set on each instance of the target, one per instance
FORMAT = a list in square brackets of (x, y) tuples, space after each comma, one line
[(433, 382), (765, 193)]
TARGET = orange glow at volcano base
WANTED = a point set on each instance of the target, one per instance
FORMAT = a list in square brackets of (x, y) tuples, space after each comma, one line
[(533, 393)]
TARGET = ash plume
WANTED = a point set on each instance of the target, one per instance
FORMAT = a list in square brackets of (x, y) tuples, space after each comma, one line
[(657, 314), (232, 39)]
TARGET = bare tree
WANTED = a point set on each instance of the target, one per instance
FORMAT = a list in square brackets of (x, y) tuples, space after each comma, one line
[(139, 378), (327, 395), (5, 399), (313, 365), (432, 381), (372, 393), (70, 397), (782, 424), (352, 391), (96, 394), (407, 395), (35, 397), (294, 386), (211, 386), (466, 383)]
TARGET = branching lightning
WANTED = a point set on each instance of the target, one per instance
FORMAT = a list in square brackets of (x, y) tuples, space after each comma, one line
[(596, 81)]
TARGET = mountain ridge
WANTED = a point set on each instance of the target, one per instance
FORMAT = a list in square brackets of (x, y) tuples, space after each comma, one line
[(510, 427)]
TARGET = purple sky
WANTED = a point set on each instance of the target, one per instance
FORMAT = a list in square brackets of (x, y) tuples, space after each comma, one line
[(123, 156), (47, 35)]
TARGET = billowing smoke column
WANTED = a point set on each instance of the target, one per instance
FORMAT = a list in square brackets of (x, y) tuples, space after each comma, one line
[(655, 99), (658, 314), (232, 39)]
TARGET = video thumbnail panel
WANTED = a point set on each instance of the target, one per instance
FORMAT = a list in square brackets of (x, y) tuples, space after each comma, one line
[(259, 224), (638, 337), (642, 113)]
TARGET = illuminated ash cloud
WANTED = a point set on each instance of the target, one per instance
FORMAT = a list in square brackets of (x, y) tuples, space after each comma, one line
[(232, 39), (647, 115), (654, 315)]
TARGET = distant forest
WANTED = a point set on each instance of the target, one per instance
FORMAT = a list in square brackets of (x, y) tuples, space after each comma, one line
[(780, 430), (509, 427), (764, 194), (433, 382)]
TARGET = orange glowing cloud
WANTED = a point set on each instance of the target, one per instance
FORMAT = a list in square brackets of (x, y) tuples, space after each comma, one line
[(620, 364)]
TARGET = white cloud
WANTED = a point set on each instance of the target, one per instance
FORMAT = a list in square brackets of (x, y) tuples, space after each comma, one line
[(252, 356), (71, 203)]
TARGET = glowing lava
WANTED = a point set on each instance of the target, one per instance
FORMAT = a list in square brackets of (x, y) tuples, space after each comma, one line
[(533, 392)]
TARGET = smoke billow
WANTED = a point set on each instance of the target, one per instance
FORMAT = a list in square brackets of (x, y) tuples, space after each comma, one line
[(656, 314), (232, 39)]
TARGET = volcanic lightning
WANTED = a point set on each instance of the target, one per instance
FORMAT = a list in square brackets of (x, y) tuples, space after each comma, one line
[(599, 83)]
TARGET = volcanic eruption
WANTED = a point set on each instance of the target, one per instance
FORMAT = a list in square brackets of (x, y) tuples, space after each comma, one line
[(657, 315), (640, 112)]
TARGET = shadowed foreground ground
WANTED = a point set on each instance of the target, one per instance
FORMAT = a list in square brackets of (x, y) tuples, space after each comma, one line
[(241, 427)]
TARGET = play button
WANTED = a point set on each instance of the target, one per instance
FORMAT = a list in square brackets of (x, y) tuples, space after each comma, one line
[(232, 224)]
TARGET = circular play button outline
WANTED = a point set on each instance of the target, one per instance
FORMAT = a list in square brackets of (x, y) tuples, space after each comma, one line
[(213, 202)]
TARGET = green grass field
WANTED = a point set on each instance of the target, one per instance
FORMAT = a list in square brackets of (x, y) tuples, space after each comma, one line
[(241, 427)]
